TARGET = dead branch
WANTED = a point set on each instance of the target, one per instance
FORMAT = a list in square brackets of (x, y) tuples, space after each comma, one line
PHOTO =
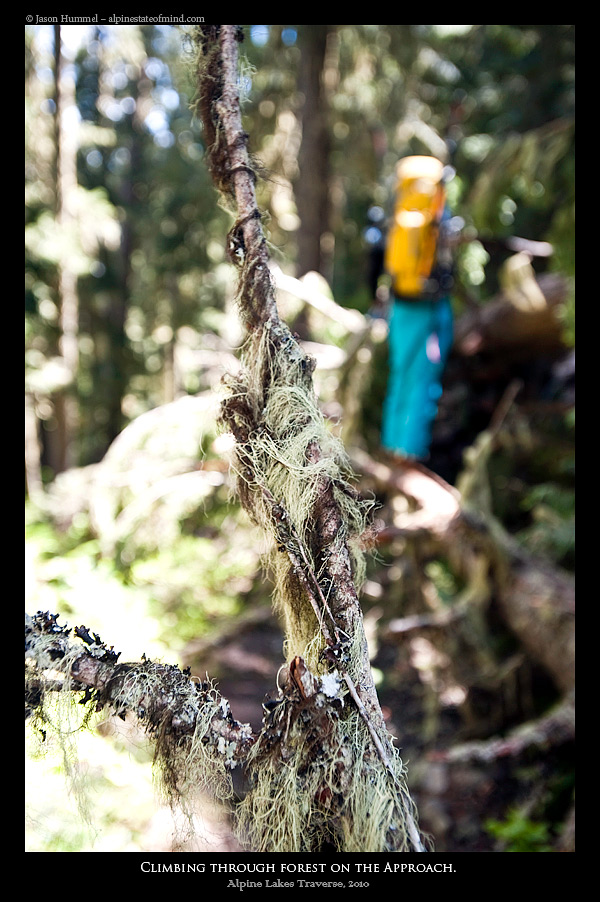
[(554, 728), (505, 324), (165, 700), (437, 502), (353, 321)]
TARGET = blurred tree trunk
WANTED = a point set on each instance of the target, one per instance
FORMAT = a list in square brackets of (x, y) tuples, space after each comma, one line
[(33, 455), (61, 444), (116, 315), (521, 321), (312, 186)]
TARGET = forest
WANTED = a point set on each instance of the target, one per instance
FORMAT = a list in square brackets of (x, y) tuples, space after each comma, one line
[(248, 626)]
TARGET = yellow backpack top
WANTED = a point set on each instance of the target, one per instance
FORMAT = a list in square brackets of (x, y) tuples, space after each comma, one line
[(410, 251)]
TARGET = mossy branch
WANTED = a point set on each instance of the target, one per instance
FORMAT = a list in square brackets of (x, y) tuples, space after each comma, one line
[(283, 444), (295, 482), (198, 742), (176, 709)]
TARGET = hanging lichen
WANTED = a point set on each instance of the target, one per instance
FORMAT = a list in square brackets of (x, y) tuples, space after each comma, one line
[(273, 413), (318, 784), (67, 684)]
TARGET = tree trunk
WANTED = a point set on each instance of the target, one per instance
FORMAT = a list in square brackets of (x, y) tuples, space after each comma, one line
[(65, 403), (33, 457), (312, 185)]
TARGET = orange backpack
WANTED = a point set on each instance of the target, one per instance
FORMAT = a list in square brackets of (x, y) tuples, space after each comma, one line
[(411, 247)]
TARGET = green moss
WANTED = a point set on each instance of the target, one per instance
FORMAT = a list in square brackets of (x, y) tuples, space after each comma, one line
[(517, 833)]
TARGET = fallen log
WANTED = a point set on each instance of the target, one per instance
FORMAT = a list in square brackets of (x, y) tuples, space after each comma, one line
[(508, 322), (536, 599)]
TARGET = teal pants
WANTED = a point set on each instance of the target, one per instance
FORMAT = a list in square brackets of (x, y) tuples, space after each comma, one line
[(420, 338)]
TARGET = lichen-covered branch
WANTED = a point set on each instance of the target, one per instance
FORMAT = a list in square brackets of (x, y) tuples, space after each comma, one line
[(184, 716), (282, 441), (198, 742), (295, 482)]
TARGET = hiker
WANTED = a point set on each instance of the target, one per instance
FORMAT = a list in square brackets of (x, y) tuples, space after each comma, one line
[(417, 256)]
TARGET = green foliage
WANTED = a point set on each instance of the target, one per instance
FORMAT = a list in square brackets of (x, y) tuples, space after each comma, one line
[(443, 579), (142, 246), (552, 531), (195, 584), (195, 574), (517, 833)]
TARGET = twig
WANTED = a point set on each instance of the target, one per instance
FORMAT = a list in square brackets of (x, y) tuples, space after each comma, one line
[(506, 402), (285, 530)]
